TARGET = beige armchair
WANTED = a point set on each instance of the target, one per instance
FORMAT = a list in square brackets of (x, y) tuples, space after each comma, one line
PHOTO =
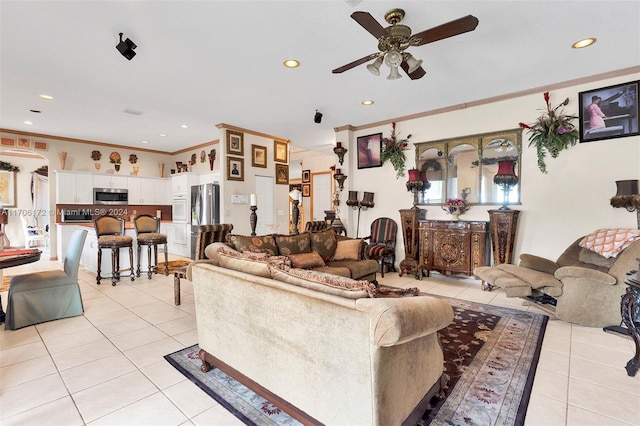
[(585, 287)]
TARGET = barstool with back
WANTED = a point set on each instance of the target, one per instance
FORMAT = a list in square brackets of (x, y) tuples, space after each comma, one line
[(110, 233), (148, 234)]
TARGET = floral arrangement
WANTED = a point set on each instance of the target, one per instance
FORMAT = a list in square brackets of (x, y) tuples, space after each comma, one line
[(393, 150), (552, 132), (456, 205), (96, 155), (115, 158), (9, 167), (133, 159)]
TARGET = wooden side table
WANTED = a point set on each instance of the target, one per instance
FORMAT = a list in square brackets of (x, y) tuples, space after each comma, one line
[(177, 275)]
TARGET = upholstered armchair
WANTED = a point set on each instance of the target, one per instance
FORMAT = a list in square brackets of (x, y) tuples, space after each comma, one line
[(584, 286), (382, 243), (48, 295)]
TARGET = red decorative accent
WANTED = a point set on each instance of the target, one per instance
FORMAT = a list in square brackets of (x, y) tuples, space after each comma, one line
[(506, 167), (414, 175)]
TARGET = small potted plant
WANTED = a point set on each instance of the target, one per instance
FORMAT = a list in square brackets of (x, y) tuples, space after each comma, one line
[(116, 160), (393, 150)]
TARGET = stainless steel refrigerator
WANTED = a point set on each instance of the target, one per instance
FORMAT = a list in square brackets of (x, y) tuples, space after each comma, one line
[(205, 209)]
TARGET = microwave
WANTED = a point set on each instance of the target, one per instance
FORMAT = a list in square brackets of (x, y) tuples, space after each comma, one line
[(76, 215), (114, 196)]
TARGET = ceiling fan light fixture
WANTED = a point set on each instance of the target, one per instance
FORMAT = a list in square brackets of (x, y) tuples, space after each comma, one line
[(413, 63), (394, 74), (393, 59), (374, 67)]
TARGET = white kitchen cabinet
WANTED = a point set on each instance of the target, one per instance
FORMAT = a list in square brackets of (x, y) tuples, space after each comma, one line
[(74, 188), (146, 190), (109, 181)]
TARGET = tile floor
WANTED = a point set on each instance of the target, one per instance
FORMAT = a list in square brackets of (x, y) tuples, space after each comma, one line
[(107, 367)]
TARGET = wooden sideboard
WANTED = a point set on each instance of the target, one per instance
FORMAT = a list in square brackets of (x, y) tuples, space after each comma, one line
[(453, 247)]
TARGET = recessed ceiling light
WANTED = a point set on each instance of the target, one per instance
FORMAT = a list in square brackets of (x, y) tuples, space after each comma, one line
[(291, 63), (184, 126), (584, 43), (47, 97), (163, 134), (145, 141), (27, 122), (367, 102)]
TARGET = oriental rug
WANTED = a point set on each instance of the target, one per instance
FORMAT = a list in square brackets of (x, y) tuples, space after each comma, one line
[(490, 352)]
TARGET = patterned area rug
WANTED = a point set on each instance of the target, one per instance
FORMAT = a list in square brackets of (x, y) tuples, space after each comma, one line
[(174, 264), (491, 354)]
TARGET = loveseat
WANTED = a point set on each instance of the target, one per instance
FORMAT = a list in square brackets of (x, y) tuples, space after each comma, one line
[(585, 286), (319, 341), (322, 251)]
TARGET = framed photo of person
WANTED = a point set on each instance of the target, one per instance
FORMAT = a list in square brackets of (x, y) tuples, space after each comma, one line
[(259, 156), (306, 176), (235, 143), (369, 149), (235, 168), (282, 174), (609, 112), (280, 152)]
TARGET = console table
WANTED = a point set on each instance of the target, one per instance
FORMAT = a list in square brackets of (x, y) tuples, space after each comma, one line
[(453, 247)]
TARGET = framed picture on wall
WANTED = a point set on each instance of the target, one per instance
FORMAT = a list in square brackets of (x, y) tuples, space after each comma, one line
[(306, 190), (235, 168), (306, 176), (8, 142), (7, 188), (369, 148), (280, 152), (609, 112), (235, 143), (259, 156), (282, 174), (24, 143)]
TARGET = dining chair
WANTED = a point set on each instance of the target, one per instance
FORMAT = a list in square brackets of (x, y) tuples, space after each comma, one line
[(110, 233), (48, 295), (148, 234), (32, 234)]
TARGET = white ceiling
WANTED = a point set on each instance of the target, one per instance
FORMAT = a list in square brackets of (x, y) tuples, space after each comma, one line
[(202, 63)]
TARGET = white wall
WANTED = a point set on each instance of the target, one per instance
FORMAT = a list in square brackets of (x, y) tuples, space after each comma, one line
[(569, 201)]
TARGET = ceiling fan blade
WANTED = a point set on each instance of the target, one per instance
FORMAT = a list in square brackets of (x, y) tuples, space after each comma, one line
[(355, 63), (450, 29), (369, 23), (416, 74)]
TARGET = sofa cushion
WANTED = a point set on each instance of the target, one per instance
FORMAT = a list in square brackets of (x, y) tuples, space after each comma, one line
[(253, 244), (358, 268), (588, 256), (326, 283), (324, 242), (610, 242), (348, 249), (252, 263), (293, 244), (213, 250), (306, 260)]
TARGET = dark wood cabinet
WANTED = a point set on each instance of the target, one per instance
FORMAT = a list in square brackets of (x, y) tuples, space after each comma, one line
[(503, 224), (409, 221), (453, 247)]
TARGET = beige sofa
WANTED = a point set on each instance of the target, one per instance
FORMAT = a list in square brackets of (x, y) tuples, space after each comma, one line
[(337, 356), (585, 286)]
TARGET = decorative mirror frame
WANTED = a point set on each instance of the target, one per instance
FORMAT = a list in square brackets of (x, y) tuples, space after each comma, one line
[(479, 142)]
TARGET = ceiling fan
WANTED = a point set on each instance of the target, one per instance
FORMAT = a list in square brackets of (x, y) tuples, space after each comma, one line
[(396, 38)]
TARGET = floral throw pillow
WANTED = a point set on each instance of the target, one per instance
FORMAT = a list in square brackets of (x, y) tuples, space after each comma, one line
[(324, 243), (293, 244), (307, 260), (253, 244)]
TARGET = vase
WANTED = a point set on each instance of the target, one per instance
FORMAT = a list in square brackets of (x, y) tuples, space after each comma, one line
[(117, 167), (161, 169), (455, 215), (136, 169), (62, 155), (97, 165)]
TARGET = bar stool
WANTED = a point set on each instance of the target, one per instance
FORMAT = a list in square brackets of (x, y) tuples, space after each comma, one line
[(148, 234), (110, 233)]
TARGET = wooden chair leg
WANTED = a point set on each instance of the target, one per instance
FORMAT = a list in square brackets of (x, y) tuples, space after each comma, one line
[(150, 262), (133, 276), (166, 260), (115, 276), (139, 252), (176, 288), (98, 277)]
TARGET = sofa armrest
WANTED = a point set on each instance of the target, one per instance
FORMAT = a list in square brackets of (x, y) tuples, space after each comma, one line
[(538, 263), (195, 262), (585, 274), (395, 321)]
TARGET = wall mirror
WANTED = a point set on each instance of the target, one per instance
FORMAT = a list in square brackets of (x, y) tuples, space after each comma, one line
[(464, 167)]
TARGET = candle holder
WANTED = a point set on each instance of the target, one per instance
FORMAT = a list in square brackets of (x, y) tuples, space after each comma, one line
[(253, 219), (366, 203), (340, 151), (340, 178)]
